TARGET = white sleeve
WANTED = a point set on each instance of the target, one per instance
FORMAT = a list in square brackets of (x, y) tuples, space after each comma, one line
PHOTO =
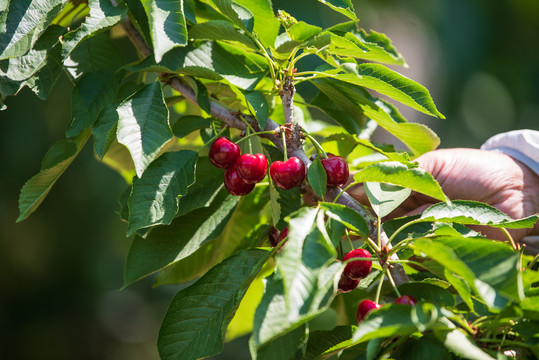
[(522, 145)]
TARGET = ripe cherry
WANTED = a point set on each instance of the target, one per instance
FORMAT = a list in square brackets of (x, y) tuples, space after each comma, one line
[(360, 268), (346, 284), (282, 235), (224, 153), (336, 170), (235, 185), (273, 235), (252, 168), (288, 174), (406, 300), (365, 307)]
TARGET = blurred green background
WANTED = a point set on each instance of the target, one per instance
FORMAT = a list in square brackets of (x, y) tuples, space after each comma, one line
[(61, 269)]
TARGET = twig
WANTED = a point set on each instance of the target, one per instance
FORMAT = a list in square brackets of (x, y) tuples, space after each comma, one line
[(287, 96)]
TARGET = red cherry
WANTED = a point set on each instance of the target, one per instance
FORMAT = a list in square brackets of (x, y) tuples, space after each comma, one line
[(288, 174), (365, 307), (223, 153), (360, 268), (273, 235), (336, 170), (282, 235), (346, 284), (406, 300), (235, 185), (252, 168)]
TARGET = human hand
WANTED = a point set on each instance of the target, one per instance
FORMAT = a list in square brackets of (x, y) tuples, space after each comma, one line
[(469, 174)]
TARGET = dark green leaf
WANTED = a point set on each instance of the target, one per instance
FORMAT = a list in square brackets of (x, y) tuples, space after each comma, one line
[(428, 292), (155, 196), (385, 198), (189, 123), (55, 162), (143, 125), (167, 25), (348, 217), (196, 320), (104, 130), (282, 348), (212, 61), (167, 244), (220, 30), (283, 203), (321, 342), (343, 6), (103, 15), (93, 93), (258, 103), (475, 213), (96, 53), (317, 177), (392, 172), (25, 21), (203, 99)]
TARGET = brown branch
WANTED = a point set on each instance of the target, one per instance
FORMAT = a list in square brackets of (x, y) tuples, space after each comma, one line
[(295, 148)]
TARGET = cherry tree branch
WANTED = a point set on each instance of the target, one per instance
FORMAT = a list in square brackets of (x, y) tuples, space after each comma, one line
[(294, 145)]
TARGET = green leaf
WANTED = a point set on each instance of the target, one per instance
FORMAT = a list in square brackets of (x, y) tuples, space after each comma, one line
[(143, 125), (239, 15), (418, 137), (167, 25), (346, 216), (429, 292), (93, 93), (345, 7), (282, 348), (339, 106), (55, 162), (259, 105), (155, 196), (317, 177), (321, 342), (392, 172), (388, 321), (459, 343), (211, 61), (104, 130), (390, 83), (196, 320), (103, 15), (203, 98), (266, 25), (385, 198), (475, 213), (189, 123), (25, 21), (301, 31), (283, 203), (167, 244), (96, 53), (220, 30), (209, 183)]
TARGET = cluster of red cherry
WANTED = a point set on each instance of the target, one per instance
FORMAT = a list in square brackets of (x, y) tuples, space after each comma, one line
[(244, 171), (352, 274)]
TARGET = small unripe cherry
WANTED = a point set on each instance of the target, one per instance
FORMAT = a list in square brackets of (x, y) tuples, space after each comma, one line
[(365, 307), (252, 168), (235, 185), (360, 268), (223, 153), (406, 300), (346, 284)]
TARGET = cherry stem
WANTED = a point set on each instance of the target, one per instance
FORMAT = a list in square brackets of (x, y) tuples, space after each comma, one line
[(349, 240), (511, 240), (530, 265), (388, 273), (285, 152), (256, 133), (379, 229), (344, 190), (380, 284), (318, 147)]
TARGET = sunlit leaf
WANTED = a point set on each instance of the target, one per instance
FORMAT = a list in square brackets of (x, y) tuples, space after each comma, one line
[(385, 198)]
